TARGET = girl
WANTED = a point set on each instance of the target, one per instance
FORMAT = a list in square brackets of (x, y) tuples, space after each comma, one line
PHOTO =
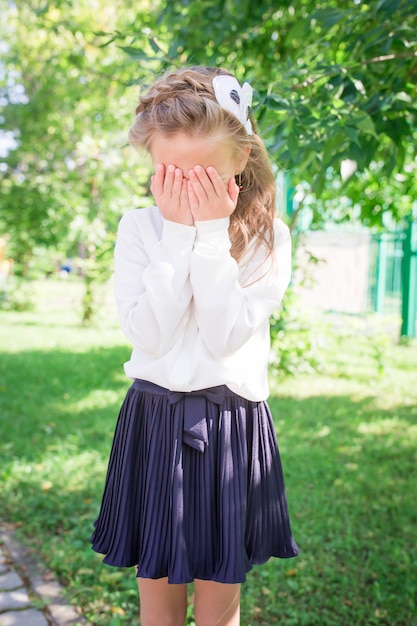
[(194, 489)]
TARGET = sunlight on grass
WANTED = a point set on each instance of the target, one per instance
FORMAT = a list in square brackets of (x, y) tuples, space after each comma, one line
[(395, 427), (347, 437), (96, 399), (63, 469)]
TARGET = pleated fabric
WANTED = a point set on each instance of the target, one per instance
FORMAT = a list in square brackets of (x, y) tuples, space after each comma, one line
[(188, 510)]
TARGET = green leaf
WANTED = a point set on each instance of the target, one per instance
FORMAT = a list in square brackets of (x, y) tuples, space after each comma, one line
[(318, 183), (298, 30), (293, 145), (364, 123), (137, 54), (352, 133), (329, 17), (387, 6), (154, 45), (276, 103)]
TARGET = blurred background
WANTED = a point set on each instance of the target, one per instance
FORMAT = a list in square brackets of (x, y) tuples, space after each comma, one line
[(335, 101)]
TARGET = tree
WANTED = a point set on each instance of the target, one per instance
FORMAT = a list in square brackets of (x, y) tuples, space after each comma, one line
[(335, 82), (335, 93), (334, 87), (66, 177)]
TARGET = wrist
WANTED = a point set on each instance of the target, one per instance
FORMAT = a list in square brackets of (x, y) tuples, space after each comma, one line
[(179, 217), (213, 228)]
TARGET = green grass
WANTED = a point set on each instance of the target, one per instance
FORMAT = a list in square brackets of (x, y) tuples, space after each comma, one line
[(348, 440)]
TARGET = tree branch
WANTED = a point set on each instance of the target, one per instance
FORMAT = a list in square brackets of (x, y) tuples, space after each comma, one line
[(380, 59), (389, 57)]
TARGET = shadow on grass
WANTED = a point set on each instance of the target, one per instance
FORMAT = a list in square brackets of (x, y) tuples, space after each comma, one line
[(47, 397), (350, 467)]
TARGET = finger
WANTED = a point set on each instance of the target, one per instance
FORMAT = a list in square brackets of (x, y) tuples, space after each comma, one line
[(216, 181), (158, 180), (169, 179), (202, 185), (184, 193), (177, 183), (184, 199), (192, 197), (233, 190)]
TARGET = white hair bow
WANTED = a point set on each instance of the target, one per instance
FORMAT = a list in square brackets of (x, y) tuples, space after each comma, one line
[(234, 98)]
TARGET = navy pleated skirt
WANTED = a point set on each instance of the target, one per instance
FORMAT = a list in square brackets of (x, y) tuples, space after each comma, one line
[(194, 487)]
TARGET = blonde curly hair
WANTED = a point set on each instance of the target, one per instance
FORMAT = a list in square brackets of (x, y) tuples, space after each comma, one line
[(184, 100)]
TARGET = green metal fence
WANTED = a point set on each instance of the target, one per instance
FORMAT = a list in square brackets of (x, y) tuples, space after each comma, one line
[(409, 277), (385, 272), (393, 274)]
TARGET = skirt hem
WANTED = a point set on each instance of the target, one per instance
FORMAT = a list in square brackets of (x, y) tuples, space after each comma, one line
[(189, 579), (208, 508)]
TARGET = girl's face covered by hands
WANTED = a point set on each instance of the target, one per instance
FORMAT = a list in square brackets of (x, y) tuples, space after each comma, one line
[(194, 177)]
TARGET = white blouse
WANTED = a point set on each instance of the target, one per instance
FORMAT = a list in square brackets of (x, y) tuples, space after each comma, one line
[(195, 317)]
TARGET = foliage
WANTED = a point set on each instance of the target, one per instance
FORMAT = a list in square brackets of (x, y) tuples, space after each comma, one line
[(335, 84), (295, 341), (66, 176), (347, 438), (335, 100), (301, 340)]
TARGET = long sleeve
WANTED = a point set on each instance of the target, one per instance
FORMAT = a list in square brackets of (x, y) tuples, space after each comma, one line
[(152, 284), (195, 317), (229, 314)]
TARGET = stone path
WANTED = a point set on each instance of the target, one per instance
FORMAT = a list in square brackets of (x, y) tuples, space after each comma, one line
[(29, 596)]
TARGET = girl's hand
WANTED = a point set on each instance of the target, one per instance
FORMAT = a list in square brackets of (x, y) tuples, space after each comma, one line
[(210, 198), (169, 189)]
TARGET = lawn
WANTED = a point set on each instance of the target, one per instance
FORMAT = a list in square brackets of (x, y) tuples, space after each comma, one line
[(348, 440)]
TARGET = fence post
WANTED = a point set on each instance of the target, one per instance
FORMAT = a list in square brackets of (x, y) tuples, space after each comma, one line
[(409, 278), (380, 273)]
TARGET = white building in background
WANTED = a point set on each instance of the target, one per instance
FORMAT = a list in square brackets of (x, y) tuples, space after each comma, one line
[(332, 270)]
